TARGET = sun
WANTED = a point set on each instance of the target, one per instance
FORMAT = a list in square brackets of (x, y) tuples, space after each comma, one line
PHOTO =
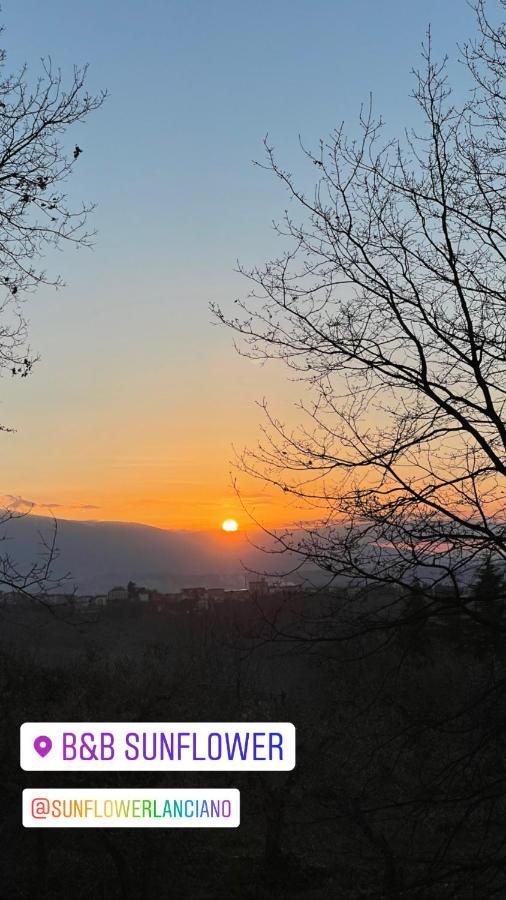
[(230, 525)]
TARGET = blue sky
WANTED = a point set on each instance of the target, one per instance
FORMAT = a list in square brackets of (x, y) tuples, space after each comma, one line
[(128, 351)]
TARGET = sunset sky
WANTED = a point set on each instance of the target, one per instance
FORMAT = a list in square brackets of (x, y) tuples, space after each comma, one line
[(134, 409)]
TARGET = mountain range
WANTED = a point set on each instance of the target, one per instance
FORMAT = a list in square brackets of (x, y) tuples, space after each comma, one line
[(99, 555)]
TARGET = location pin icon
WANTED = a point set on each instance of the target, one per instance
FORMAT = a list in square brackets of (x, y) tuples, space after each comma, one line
[(42, 744)]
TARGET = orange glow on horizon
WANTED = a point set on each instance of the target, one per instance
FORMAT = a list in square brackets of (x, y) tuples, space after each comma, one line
[(180, 506)]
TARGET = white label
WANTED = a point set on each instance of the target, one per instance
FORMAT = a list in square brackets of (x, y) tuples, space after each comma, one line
[(157, 746), (130, 808)]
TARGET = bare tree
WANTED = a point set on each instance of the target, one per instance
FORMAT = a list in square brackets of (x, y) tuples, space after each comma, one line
[(36, 160), (389, 304)]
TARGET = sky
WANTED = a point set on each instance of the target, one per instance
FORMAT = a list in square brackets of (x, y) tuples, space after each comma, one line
[(139, 399)]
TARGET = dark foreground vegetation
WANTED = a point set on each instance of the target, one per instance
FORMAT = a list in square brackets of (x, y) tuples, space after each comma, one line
[(399, 788)]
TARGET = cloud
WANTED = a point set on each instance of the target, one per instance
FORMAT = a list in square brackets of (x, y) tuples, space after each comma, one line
[(17, 503), (66, 506)]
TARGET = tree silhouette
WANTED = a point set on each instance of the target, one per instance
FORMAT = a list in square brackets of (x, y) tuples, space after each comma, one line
[(34, 212), (488, 594), (388, 304), (35, 163)]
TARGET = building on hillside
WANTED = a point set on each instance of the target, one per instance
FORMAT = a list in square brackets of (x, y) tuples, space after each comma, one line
[(239, 595), (117, 595)]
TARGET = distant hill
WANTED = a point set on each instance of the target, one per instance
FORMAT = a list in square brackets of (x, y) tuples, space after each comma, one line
[(100, 555)]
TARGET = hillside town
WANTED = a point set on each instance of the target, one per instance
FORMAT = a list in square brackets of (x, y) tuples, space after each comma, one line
[(187, 600)]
